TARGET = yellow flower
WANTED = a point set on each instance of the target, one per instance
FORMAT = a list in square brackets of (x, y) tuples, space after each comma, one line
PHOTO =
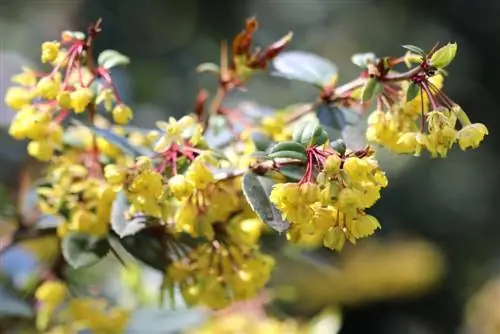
[(50, 50), (173, 131), (43, 150), (48, 87), (122, 114), (27, 78), (51, 292), (334, 238), (80, 98), (472, 135), (332, 165), (17, 97), (180, 187), (148, 183), (64, 99), (115, 175), (106, 96), (357, 169), (363, 226), (199, 174)]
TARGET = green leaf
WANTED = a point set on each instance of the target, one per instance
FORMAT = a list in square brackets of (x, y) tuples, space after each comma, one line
[(444, 55), (148, 246), (111, 58), (336, 117), (288, 155), (414, 49), (371, 89), (257, 190), (310, 134), (304, 66), (208, 67), (82, 250), (412, 91), (261, 141), (339, 145), (363, 59), (293, 173), (288, 146), (119, 141)]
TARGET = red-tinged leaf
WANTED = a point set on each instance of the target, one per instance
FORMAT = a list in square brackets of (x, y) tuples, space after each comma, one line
[(261, 59), (243, 41)]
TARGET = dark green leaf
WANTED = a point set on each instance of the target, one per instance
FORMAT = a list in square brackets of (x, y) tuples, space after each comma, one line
[(310, 133), (412, 91), (119, 141), (304, 66), (363, 59), (261, 141), (288, 155), (414, 49), (288, 146), (257, 190), (371, 89), (83, 250), (293, 172), (148, 246), (111, 58), (339, 145)]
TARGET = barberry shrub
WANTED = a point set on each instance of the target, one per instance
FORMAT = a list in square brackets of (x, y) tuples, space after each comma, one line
[(191, 198)]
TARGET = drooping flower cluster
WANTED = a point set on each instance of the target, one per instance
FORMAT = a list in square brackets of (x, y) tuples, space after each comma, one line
[(43, 100), (330, 209), (417, 115)]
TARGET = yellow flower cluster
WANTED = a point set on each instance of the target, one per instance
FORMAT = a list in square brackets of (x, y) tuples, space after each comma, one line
[(331, 211), (76, 314), (82, 201), (230, 268), (43, 100), (397, 129)]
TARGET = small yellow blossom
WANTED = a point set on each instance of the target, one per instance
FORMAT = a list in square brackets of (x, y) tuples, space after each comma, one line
[(50, 50), (18, 97), (80, 99), (472, 135), (48, 87), (122, 114)]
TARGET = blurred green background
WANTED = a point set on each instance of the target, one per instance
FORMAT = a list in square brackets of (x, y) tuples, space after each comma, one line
[(436, 213)]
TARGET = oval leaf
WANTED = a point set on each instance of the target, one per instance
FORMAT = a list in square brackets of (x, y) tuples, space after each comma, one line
[(82, 250), (293, 173), (147, 246), (111, 58), (257, 190), (310, 133), (288, 146), (414, 49), (305, 66), (444, 55), (363, 59), (412, 91), (371, 89), (288, 155)]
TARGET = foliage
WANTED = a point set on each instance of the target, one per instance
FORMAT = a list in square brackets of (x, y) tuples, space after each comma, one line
[(195, 211)]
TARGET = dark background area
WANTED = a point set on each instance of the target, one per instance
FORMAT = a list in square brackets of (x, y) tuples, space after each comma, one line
[(451, 203)]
